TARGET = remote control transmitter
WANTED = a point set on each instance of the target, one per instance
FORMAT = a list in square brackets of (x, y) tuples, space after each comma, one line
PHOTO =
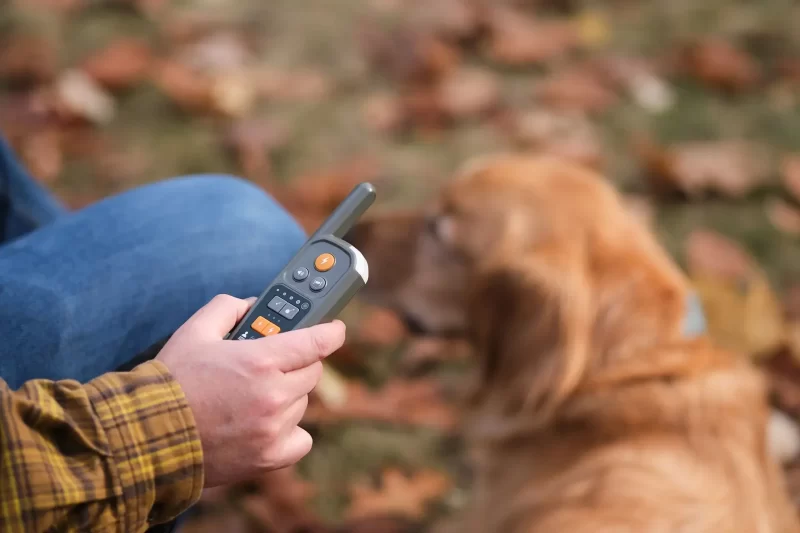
[(318, 282)]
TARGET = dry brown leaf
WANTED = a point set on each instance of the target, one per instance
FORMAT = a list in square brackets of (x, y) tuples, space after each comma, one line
[(384, 112), (42, 154), (313, 196), (188, 89), (790, 173), (517, 39), (469, 92), (380, 327), (721, 64), (640, 79), (452, 19), (729, 168), (408, 402), (567, 134), (27, 58), (742, 312), (408, 55), (783, 216), (398, 494), (281, 503), (304, 85), (575, 89), (121, 65), (252, 141)]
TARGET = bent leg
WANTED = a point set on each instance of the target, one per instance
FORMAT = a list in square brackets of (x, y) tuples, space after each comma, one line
[(89, 291)]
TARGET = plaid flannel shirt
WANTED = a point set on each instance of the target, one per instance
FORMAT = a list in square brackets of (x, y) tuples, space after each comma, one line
[(120, 453)]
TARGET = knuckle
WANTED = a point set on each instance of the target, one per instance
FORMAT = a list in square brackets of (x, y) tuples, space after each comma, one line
[(269, 431), (272, 402)]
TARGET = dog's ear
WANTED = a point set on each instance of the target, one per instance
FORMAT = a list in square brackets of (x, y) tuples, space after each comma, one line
[(532, 317)]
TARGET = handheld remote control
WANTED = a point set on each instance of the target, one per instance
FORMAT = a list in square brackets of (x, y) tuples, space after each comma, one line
[(318, 282)]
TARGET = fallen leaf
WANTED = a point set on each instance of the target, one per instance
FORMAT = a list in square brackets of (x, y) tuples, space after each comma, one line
[(742, 312), (188, 89), (303, 85), (218, 52), (281, 503), (311, 197), (593, 28), (516, 39), (783, 216), (383, 112), (709, 254), (27, 58), (252, 141), (121, 65), (469, 92), (233, 94), (408, 55), (567, 134), (730, 168), (452, 19), (638, 78), (42, 155), (409, 402), (380, 327), (575, 89), (398, 494), (80, 97), (720, 63), (790, 173)]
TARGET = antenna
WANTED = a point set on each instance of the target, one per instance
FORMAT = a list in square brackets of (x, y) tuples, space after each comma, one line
[(348, 212)]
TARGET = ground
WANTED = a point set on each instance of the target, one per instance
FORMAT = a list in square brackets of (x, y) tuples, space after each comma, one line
[(690, 107)]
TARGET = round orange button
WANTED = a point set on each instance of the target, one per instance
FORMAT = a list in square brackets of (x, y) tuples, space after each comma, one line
[(324, 262)]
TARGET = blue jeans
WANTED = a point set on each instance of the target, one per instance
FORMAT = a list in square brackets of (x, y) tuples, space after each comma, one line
[(82, 293)]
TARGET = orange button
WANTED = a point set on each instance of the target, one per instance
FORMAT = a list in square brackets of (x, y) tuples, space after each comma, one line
[(324, 262), (265, 327)]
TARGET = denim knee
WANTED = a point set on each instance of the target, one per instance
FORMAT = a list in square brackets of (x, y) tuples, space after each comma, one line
[(237, 205)]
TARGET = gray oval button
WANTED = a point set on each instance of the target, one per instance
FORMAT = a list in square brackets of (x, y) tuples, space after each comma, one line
[(300, 274), (317, 284)]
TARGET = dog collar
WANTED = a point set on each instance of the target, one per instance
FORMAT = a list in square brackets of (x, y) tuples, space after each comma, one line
[(694, 321)]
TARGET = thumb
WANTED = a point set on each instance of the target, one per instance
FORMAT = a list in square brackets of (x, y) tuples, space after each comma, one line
[(215, 319)]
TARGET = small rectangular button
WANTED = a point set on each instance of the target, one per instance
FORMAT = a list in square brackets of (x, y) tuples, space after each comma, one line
[(265, 327), (276, 304), (289, 311)]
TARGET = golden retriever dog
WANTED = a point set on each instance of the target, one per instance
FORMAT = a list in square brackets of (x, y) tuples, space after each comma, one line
[(594, 410)]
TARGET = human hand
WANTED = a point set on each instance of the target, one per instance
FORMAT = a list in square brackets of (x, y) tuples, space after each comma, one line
[(247, 397)]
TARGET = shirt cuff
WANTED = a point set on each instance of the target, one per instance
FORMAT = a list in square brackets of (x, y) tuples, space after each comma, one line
[(158, 457)]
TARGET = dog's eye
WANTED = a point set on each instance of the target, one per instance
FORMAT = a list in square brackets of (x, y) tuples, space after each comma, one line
[(441, 228)]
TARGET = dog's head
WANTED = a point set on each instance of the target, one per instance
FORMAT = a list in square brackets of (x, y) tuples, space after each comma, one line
[(539, 263)]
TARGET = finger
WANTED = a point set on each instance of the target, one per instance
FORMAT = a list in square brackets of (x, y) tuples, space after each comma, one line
[(302, 347), (294, 414), (219, 316), (300, 382), (293, 448)]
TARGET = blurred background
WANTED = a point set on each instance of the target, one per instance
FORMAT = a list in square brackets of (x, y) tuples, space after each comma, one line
[(691, 108)]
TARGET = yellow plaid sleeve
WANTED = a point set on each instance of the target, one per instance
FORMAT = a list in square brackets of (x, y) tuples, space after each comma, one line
[(117, 454)]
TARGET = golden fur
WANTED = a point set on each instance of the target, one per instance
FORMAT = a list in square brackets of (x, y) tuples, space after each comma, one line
[(592, 412)]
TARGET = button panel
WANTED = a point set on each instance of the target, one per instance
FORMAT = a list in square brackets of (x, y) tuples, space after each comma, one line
[(280, 310)]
